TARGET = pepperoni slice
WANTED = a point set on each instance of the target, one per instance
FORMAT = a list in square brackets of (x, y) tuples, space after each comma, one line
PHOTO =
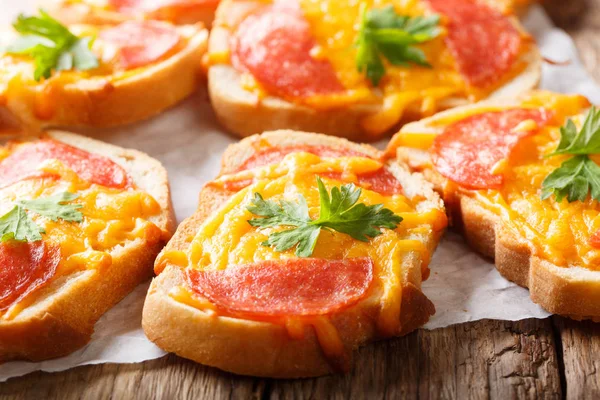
[(141, 42), (26, 266), (595, 240), (275, 45), (274, 155), (133, 6), (382, 181), (23, 164), (298, 286), (483, 41), (467, 151)]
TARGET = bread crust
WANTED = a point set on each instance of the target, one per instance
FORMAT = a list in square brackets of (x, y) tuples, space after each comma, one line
[(260, 348), (570, 291), (245, 113), (62, 316), (104, 102)]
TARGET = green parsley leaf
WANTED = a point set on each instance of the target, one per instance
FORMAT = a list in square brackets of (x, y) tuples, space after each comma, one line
[(339, 211), (578, 175), (52, 46), (385, 33), (18, 225), (586, 141), (54, 207)]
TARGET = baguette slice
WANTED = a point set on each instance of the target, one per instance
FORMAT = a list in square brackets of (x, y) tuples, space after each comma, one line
[(91, 12), (244, 112), (104, 100), (62, 316), (251, 347), (572, 291)]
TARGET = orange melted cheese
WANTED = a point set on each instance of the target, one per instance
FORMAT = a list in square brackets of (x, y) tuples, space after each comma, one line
[(226, 238), (112, 218), (558, 232), (414, 89)]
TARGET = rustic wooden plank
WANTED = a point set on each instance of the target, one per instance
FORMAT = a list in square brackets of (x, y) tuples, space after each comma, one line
[(165, 378), (484, 359), (479, 360), (580, 357)]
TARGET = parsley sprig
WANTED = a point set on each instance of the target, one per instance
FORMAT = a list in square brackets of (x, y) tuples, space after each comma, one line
[(383, 33), (18, 225), (339, 211), (52, 46), (578, 175)]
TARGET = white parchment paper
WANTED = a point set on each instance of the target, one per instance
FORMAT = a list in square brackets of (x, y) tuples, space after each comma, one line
[(189, 142)]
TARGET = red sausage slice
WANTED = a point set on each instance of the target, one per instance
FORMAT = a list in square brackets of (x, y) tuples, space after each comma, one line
[(483, 41), (467, 151), (299, 286), (25, 267), (141, 42), (133, 6), (275, 45), (382, 181), (23, 164), (595, 240)]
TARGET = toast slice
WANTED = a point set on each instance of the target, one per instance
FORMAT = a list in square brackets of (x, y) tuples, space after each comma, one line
[(111, 94), (58, 317), (245, 106), (290, 346), (114, 12), (532, 241)]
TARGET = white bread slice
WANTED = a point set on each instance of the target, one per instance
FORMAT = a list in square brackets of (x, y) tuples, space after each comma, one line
[(570, 291), (113, 100), (245, 113), (261, 348), (69, 12), (62, 317)]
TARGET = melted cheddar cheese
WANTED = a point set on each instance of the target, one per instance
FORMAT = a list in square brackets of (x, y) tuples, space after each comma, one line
[(558, 232), (112, 218), (226, 238)]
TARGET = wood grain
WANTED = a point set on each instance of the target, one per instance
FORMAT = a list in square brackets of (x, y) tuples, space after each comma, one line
[(530, 359), (480, 360)]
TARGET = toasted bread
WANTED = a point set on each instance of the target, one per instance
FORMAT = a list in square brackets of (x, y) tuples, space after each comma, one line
[(260, 348), (81, 12), (245, 112), (61, 316), (106, 100), (572, 290)]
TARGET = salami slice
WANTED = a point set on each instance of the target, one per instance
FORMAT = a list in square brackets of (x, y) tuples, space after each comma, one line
[(382, 181), (483, 41), (26, 266), (275, 45), (137, 6), (141, 42), (595, 240), (289, 287), (467, 151), (23, 164)]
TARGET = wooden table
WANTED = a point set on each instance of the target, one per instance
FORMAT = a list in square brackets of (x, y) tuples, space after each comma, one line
[(550, 358)]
